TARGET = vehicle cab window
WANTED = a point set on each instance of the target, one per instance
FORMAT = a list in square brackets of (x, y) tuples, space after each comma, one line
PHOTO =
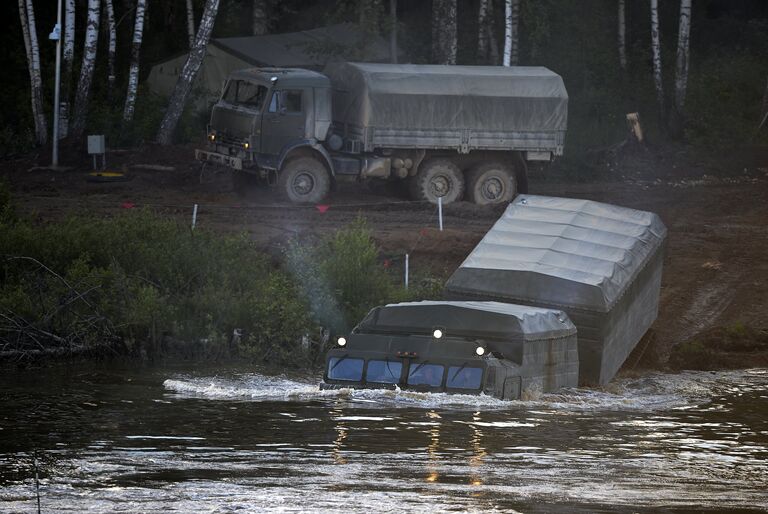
[(246, 94), (287, 101)]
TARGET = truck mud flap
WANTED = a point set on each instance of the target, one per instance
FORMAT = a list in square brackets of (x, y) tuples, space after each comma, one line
[(218, 158)]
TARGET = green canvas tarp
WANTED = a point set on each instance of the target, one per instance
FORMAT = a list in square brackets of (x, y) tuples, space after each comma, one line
[(599, 263)]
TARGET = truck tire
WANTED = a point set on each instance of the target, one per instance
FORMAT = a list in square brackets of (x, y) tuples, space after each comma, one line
[(491, 183), (304, 180), (438, 178)]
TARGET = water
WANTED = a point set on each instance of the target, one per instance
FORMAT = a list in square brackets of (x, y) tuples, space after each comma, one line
[(117, 440)]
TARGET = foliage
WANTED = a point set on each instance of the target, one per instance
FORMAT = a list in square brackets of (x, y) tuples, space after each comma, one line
[(343, 276), (149, 283)]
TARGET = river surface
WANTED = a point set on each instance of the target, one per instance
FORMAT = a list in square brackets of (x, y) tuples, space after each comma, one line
[(232, 440)]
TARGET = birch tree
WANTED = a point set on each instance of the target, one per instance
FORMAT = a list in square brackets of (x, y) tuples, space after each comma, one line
[(188, 73), (483, 34), (259, 21), (133, 73), (190, 23), (109, 14), (68, 56), (511, 34), (764, 116), (656, 50), (83, 93), (29, 31), (622, 32), (444, 32), (681, 66)]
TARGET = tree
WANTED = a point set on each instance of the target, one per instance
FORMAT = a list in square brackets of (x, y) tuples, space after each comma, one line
[(369, 14), (133, 73), (260, 17), (83, 94), (764, 116), (444, 44), (483, 30), (681, 67), (190, 23), (29, 31), (511, 34), (68, 56), (109, 13), (622, 41), (188, 73), (656, 50)]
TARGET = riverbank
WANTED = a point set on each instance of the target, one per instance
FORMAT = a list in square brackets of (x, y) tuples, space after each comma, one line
[(715, 272)]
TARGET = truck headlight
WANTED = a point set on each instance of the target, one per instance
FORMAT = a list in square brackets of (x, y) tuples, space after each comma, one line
[(437, 334), (342, 341), (247, 146), (480, 351), (211, 137)]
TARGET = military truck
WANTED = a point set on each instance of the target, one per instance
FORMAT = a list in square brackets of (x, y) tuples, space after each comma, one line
[(499, 349), (450, 131)]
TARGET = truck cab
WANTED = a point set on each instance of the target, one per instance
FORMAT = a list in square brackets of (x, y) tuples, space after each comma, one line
[(268, 117)]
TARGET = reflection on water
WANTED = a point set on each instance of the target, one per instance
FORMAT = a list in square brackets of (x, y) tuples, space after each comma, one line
[(139, 441)]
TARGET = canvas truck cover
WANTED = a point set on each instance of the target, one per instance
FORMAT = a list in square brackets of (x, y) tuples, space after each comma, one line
[(469, 319), (600, 263), (488, 107)]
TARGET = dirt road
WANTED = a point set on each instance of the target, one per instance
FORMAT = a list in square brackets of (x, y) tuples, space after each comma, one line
[(716, 268)]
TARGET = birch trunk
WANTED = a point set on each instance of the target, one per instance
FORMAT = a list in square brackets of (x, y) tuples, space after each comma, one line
[(83, 94), (444, 44), (622, 36), (512, 11), (656, 49), (259, 17), (190, 23), (133, 73), (29, 30), (68, 54), (109, 12), (188, 74), (482, 32), (681, 66)]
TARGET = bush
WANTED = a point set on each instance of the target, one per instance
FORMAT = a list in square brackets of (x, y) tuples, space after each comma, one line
[(148, 283), (342, 277)]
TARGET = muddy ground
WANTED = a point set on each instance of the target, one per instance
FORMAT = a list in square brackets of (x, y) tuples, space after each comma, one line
[(716, 209)]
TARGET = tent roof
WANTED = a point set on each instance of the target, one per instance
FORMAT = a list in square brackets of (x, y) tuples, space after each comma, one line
[(307, 48), (561, 251)]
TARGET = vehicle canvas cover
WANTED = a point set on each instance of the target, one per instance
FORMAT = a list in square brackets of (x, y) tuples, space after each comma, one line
[(600, 263), (495, 105), (469, 319)]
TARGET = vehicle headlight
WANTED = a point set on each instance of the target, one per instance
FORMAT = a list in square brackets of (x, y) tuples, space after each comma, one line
[(437, 334), (212, 137), (342, 341), (480, 351), (247, 146)]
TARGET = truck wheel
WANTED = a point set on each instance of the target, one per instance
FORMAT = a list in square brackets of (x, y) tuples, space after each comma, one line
[(304, 180), (491, 183), (438, 178)]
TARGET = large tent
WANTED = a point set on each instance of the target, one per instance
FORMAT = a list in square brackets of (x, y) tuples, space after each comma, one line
[(310, 49)]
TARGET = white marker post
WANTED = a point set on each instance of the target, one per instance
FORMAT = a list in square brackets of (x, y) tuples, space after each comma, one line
[(406, 271), (440, 211), (194, 217)]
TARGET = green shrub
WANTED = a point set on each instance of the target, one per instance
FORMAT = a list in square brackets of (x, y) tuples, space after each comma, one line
[(147, 282), (342, 277)]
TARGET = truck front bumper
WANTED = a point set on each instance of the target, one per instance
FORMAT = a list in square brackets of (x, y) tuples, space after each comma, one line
[(219, 158)]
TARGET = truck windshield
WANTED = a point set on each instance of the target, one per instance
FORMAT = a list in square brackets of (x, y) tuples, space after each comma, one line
[(247, 94), (342, 368), (460, 377), (426, 374), (383, 372)]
